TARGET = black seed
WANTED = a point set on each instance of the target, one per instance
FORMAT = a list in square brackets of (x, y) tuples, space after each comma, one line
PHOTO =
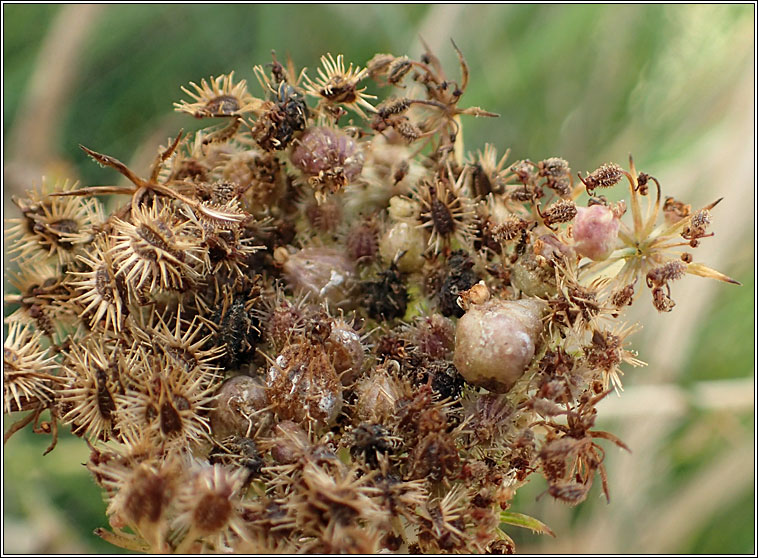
[(105, 403), (460, 277), (387, 297), (443, 220), (171, 422)]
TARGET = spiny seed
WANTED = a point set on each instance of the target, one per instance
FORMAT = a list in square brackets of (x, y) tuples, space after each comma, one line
[(223, 104), (65, 226), (171, 422), (393, 106), (105, 403), (212, 512), (560, 212), (442, 217), (398, 69), (182, 356), (103, 283), (604, 177)]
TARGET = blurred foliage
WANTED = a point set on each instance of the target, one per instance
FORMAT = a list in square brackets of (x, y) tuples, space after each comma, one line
[(584, 82)]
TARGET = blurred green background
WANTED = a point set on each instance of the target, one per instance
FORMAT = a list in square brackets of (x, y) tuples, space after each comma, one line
[(672, 84)]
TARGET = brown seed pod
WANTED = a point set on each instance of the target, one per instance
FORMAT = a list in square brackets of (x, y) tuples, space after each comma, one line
[(239, 408), (303, 385)]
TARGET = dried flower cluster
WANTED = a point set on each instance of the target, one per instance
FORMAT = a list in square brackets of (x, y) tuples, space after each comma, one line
[(319, 326)]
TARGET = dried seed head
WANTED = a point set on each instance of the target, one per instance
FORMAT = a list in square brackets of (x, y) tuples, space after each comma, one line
[(336, 85), (330, 157), (407, 129), (143, 497), (169, 405), (284, 117), (697, 227), (523, 171), (558, 175), (53, 226), (392, 106), (324, 498), (288, 443), (362, 241), (261, 177), (157, 249), (92, 381), (182, 341), (398, 69), (370, 441), (435, 457), (459, 276), (623, 296), (103, 294), (325, 216), (595, 232), (660, 276), (28, 378), (379, 64), (554, 167), (220, 97), (208, 503), (495, 342), (489, 414), (445, 211), (386, 297), (281, 319)]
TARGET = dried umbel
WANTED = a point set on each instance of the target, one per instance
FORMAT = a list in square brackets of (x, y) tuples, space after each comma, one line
[(321, 326)]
